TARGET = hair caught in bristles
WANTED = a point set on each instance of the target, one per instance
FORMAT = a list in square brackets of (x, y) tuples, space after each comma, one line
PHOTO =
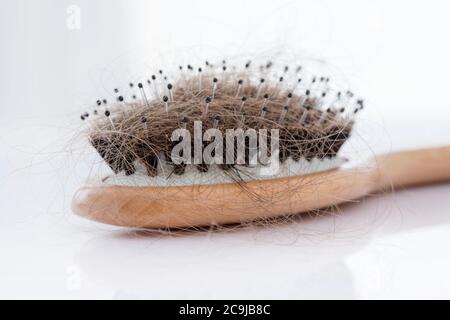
[(313, 120)]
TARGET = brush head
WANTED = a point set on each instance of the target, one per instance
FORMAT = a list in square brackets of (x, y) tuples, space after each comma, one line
[(311, 122)]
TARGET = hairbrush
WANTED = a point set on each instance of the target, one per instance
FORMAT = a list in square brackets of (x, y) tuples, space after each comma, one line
[(230, 143)]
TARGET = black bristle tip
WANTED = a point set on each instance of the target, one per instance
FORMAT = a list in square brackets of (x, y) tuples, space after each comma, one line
[(208, 99), (308, 92), (244, 99), (215, 80), (289, 95), (200, 70), (165, 99), (131, 84), (120, 99), (99, 102), (140, 85), (82, 117), (143, 119), (262, 80), (240, 81), (107, 113), (266, 96), (286, 108), (184, 119), (169, 86), (153, 77)]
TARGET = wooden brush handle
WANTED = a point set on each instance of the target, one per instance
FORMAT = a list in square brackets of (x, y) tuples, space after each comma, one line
[(411, 168), (200, 205)]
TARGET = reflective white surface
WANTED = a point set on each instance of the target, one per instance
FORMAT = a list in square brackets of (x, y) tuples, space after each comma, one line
[(386, 246)]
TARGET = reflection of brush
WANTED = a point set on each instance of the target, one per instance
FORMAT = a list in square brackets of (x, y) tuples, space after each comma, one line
[(226, 180)]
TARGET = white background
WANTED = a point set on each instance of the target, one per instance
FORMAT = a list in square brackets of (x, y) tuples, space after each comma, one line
[(390, 246)]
